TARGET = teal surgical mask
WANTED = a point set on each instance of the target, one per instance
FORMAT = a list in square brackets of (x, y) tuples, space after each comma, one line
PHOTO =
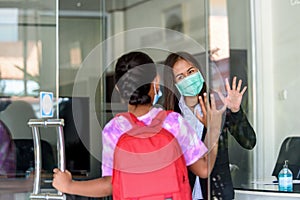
[(190, 85), (157, 95)]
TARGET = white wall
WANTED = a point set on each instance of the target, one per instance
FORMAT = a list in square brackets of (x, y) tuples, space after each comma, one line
[(286, 40), (265, 154), (277, 43)]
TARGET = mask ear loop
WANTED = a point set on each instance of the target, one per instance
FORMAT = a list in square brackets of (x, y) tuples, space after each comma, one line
[(157, 94), (156, 81), (154, 87)]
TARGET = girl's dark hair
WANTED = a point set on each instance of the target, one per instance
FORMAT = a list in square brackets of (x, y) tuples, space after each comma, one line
[(133, 76), (170, 91)]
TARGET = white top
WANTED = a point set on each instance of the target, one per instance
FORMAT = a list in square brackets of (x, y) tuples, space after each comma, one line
[(194, 122)]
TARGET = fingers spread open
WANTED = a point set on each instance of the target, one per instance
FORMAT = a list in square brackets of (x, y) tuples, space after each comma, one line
[(239, 85), (202, 105), (244, 90), (227, 84), (234, 83)]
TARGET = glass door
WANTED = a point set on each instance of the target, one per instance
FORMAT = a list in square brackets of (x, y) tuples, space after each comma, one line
[(27, 66)]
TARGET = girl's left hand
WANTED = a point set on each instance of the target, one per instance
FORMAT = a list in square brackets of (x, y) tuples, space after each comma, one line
[(234, 95)]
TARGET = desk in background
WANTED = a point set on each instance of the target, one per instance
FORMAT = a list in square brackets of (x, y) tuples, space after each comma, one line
[(267, 190)]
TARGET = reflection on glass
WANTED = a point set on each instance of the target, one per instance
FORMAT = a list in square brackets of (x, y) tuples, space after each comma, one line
[(13, 65), (27, 65), (28, 61), (22, 64)]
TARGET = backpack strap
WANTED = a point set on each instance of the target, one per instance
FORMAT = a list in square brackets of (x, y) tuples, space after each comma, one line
[(134, 121), (159, 118), (154, 127)]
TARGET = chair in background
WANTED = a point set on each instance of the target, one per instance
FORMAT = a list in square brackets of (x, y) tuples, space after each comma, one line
[(16, 116), (289, 150)]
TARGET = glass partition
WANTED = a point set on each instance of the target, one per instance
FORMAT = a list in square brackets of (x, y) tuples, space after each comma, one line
[(240, 42), (157, 28), (81, 30), (27, 66), (262, 42), (71, 50), (41, 51)]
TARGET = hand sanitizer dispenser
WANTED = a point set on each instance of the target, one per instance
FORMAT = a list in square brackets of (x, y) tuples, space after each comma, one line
[(285, 178)]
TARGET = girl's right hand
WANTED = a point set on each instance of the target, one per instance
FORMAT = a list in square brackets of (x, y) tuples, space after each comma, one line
[(62, 180)]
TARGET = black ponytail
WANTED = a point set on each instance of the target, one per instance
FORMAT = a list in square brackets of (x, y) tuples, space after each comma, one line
[(134, 74)]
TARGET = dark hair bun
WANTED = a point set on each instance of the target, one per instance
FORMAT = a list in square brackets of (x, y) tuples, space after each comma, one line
[(134, 74)]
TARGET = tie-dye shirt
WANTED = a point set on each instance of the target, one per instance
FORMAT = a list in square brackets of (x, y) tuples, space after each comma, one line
[(191, 145)]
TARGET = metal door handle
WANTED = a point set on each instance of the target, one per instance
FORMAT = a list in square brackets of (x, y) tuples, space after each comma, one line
[(35, 124)]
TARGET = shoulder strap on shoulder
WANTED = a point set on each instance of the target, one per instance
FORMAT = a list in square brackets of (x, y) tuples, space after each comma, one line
[(157, 121), (160, 118), (131, 118)]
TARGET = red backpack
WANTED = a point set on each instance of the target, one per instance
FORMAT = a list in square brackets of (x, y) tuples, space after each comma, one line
[(149, 164)]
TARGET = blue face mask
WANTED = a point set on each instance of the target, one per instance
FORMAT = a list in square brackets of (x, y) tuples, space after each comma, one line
[(157, 95), (190, 85)]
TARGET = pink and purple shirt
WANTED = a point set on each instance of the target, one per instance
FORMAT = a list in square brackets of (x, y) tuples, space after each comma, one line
[(192, 146)]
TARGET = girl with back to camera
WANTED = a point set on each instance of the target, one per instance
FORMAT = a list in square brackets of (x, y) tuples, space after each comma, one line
[(183, 75), (138, 84)]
